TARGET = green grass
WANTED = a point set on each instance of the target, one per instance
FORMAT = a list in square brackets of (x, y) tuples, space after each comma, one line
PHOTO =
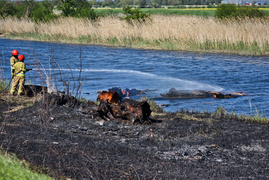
[(197, 12), (11, 168), (255, 118), (205, 12), (192, 12), (108, 12)]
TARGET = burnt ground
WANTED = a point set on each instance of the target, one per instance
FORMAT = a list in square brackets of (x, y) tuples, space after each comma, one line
[(71, 140)]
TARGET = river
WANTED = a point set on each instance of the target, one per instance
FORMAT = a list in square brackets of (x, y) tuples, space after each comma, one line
[(158, 71)]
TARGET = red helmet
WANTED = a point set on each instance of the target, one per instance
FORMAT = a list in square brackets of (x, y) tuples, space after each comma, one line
[(21, 57), (15, 52)]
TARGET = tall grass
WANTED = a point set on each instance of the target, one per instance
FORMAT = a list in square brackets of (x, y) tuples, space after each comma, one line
[(187, 33)]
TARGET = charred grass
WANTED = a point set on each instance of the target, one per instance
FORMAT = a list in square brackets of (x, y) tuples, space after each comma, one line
[(77, 143)]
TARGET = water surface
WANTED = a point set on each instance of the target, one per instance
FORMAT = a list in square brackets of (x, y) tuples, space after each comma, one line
[(106, 67)]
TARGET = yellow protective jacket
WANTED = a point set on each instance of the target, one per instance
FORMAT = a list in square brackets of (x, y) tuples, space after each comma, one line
[(13, 61), (20, 69)]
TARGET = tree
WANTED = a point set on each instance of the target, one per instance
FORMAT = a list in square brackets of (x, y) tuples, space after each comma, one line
[(142, 3), (67, 7), (43, 11), (7, 8), (77, 8), (134, 15)]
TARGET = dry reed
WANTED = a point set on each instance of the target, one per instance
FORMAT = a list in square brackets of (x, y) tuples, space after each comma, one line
[(182, 32)]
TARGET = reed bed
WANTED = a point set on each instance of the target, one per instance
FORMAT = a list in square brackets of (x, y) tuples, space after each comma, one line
[(191, 33)]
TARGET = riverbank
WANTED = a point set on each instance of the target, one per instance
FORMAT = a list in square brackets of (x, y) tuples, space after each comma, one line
[(66, 140), (179, 33)]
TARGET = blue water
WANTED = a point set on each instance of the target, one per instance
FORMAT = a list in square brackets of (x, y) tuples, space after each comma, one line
[(106, 67)]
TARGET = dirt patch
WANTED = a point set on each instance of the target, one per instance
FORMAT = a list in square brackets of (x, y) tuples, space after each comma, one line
[(71, 140)]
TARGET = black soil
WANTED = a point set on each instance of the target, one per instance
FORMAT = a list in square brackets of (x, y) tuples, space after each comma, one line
[(69, 139)]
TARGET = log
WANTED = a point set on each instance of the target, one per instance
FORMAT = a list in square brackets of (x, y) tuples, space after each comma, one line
[(184, 94), (136, 111), (129, 109)]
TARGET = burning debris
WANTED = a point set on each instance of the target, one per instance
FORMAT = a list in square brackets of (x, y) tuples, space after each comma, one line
[(129, 109), (185, 94), (109, 96), (126, 92)]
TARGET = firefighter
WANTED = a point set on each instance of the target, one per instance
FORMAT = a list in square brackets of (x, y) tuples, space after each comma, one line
[(13, 60), (19, 75)]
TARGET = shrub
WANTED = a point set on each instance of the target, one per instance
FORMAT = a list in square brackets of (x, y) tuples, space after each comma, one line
[(134, 15), (87, 13), (153, 105), (249, 11), (221, 111), (227, 11)]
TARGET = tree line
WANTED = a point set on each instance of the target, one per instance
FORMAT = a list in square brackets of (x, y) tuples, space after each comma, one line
[(46, 10), (50, 9)]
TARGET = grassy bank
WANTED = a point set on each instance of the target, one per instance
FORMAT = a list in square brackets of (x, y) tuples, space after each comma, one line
[(184, 33), (206, 12), (12, 168)]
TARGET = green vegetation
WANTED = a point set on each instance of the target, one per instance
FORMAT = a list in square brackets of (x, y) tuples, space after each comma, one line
[(191, 12), (205, 12), (153, 105), (36, 19), (76, 8), (45, 10), (160, 11), (12, 168), (232, 11), (101, 12), (83, 100), (48, 10), (36, 10), (257, 117), (4, 85), (242, 48), (221, 111), (132, 14)]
